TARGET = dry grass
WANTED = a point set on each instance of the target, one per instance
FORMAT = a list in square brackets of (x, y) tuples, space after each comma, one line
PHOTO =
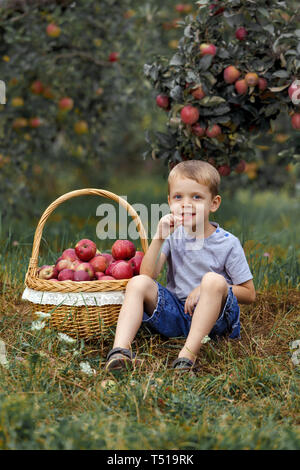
[(246, 395), (267, 328)]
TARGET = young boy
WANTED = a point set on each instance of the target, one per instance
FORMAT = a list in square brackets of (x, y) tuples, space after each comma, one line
[(207, 276)]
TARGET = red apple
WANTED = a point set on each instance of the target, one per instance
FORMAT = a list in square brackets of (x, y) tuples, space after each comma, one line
[(35, 122), (85, 267), (224, 170), (218, 11), (106, 278), (183, 8), (241, 87), (109, 258), (37, 87), (122, 270), (198, 93), (231, 74), (213, 131), (48, 93), (179, 7), (123, 249), (189, 114), (136, 262), (108, 270), (262, 84), (64, 264), (295, 120), (240, 167), (69, 254), (98, 263), (198, 130), (139, 253), (81, 276), (66, 275), (294, 87), (52, 30), (85, 249), (48, 272), (99, 275), (19, 123), (75, 263), (241, 33), (66, 103), (163, 101), (207, 49), (251, 78), (113, 57)]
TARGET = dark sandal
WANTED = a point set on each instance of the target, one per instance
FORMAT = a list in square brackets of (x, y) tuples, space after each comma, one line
[(183, 364), (119, 358)]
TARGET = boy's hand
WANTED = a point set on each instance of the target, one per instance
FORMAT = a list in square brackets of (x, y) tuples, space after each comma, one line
[(166, 226), (191, 301)]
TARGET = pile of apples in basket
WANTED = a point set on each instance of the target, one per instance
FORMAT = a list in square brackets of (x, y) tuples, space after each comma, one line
[(86, 263)]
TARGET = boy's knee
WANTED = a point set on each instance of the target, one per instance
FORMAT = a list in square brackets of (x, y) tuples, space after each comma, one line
[(140, 282), (214, 281)]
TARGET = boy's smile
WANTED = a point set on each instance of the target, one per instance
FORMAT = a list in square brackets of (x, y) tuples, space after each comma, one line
[(192, 202)]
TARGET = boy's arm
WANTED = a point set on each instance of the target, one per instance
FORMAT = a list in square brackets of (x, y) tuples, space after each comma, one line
[(245, 292), (151, 266)]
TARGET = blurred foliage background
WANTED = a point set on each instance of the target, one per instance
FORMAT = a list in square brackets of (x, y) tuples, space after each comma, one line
[(79, 104)]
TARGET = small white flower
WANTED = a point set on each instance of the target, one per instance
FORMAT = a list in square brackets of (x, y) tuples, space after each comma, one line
[(38, 325), (206, 339), (3, 358), (86, 368), (66, 338), (43, 314), (295, 344), (296, 358)]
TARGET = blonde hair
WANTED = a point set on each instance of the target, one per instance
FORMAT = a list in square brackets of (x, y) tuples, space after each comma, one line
[(197, 170)]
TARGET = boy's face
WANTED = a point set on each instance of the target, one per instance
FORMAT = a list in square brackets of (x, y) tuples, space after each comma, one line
[(192, 202)]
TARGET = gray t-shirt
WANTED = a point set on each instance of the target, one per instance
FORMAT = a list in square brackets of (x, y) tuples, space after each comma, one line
[(188, 259)]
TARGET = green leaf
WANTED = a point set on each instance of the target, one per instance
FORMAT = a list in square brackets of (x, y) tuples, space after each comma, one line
[(233, 20), (205, 62), (223, 53), (270, 28), (292, 52), (177, 60), (188, 31), (264, 12), (281, 74), (271, 109), (192, 76), (176, 93), (210, 78), (165, 140), (212, 101)]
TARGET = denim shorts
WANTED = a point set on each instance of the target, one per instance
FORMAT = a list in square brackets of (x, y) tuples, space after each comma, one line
[(169, 319)]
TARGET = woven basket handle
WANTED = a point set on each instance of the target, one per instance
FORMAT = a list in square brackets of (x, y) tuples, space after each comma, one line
[(33, 262)]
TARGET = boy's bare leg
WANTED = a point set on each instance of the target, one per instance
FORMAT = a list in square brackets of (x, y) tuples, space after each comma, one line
[(213, 294), (140, 295)]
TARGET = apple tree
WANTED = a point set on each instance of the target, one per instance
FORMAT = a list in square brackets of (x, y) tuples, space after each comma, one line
[(75, 89), (233, 74)]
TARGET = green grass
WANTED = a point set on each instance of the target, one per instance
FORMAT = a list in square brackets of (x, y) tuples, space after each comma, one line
[(246, 396)]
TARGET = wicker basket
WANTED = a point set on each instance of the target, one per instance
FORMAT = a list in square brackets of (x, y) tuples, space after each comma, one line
[(81, 321)]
